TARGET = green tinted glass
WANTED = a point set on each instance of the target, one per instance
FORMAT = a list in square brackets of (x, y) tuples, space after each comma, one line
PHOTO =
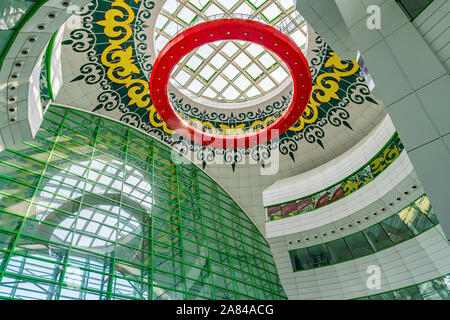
[(396, 229), (358, 245), (377, 238), (339, 251)]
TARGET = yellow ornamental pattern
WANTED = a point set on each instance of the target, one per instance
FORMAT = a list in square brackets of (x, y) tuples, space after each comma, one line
[(122, 69)]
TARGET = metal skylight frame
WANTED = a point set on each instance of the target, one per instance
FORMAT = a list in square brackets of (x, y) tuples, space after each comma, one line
[(215, 58)]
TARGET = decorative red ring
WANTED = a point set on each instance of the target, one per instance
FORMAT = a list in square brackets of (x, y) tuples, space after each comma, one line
[(230, 29)]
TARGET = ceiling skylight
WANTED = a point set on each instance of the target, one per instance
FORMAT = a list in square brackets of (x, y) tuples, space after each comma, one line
[(229, 71)]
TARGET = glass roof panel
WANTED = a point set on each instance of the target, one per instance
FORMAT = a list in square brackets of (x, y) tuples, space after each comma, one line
[(251, 69), (171, 6), (182, 77), (286, 4), (231, 93), (205, 51), (255, 49), (217, 43), (299, 38), (266, 84), (219, 83), (253, 92), (195, 86), (193, 63), (171, 29), (161, 41), (161, 21), (257, 3), (230, 49), (244, 9), (242, 82), (242, 60), (279, 75), (186, 15), (213, 10), (210, 93)]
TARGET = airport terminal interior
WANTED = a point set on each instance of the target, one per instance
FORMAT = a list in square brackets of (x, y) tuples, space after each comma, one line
[(224, 150)]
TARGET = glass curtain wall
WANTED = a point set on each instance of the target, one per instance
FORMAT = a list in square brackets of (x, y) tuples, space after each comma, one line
[(92, 209), (409, 222)]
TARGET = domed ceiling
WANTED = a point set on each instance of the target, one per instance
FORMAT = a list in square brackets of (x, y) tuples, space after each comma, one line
[(107, 57)]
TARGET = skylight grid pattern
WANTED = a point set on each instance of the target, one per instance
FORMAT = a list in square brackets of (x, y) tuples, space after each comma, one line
[(92, 209), (229, 71)]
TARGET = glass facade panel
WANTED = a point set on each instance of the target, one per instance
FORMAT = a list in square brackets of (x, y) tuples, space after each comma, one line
[(383, 296), (13, 11), (410, 293), (339, 251), (415, 220), (435, 289), (104, 214)]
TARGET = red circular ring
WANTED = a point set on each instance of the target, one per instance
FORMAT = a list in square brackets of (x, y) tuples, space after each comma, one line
[(230, 29)]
